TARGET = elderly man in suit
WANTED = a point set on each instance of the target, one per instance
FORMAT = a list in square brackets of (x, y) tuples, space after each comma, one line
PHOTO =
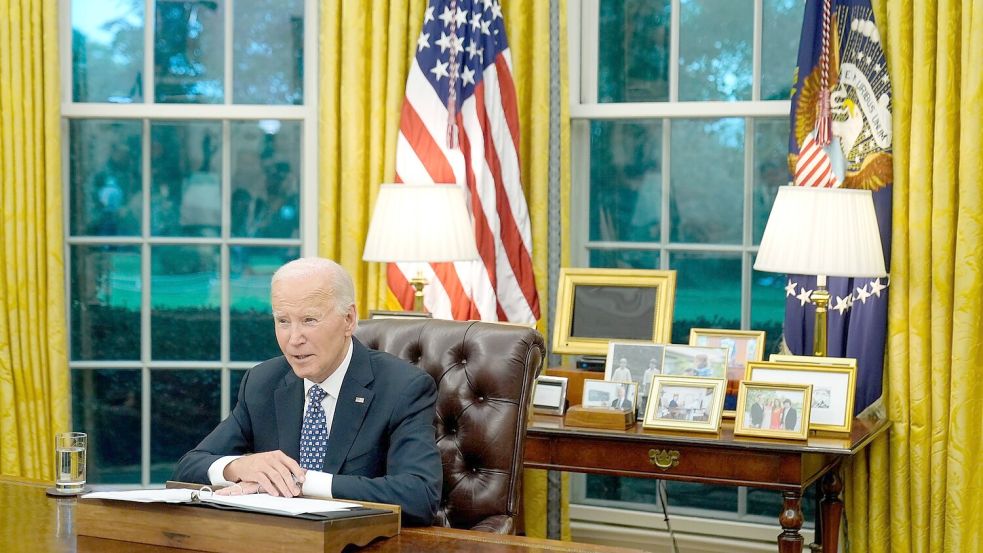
[(330, 417)]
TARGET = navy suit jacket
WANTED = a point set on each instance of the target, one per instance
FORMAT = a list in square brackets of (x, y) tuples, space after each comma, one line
[(381, 448)]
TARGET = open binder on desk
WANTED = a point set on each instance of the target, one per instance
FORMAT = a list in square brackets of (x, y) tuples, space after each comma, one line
[(174, 517)]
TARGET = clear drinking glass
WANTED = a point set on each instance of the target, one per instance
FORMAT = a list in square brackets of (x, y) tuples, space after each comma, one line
[(70, 461)]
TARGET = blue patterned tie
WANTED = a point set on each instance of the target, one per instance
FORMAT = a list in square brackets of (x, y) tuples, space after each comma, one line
[(314, 433)]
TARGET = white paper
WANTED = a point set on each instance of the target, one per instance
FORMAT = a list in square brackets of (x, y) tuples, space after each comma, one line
[(146, 496), (285, 505)]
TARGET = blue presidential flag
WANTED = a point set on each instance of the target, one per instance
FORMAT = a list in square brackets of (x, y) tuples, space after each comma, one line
[(841, 137)]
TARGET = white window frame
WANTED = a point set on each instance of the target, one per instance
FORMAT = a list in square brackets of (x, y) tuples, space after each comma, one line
[(589, 520), (226, 112)]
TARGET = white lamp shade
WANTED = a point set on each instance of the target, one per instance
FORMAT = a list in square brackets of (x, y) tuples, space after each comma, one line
[(420, 223), (822, 231)]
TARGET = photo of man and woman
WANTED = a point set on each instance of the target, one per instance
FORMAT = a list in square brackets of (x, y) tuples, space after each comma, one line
[(773, 410)]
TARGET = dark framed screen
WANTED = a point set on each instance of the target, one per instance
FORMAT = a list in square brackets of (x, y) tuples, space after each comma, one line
[(616, 312)]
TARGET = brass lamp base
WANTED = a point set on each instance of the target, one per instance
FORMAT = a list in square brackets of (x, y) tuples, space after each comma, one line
[(820, 296), (418, 282)]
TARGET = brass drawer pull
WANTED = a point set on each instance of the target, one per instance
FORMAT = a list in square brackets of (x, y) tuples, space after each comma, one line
[(663, 458)]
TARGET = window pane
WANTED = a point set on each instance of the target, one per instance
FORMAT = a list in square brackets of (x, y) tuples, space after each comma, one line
[(770, 168), (625, 259), (265, 179), (189, 51), (612, 491), (633, 51), (106, 406), (707, 181), (185, 295), (235, 379), (768, 307), (251, 326), (708, 292), (701, 496), (186, 178), (107, 51), (625, 180), (178, 398), (781, 25), (105, 174), (105, 296), (268, 52), (715, 49)]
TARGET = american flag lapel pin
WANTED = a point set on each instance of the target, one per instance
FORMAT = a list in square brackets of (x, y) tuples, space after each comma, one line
[(359, 399)]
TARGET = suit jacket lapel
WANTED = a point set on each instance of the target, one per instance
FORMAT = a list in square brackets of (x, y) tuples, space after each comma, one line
[(289, 398), (354, 399)]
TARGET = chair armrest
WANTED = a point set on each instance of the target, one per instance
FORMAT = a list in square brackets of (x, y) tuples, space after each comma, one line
[(496, 524)]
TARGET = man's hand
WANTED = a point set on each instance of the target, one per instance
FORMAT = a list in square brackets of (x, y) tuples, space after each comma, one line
[(273, 471)]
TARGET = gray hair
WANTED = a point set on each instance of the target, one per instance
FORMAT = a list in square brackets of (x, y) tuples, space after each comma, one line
[(334, 276)]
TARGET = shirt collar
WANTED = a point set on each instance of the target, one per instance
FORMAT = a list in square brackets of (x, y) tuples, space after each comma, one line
[(332, 384)]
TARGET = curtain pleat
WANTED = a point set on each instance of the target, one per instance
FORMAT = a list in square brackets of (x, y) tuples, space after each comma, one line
[(33, 357)]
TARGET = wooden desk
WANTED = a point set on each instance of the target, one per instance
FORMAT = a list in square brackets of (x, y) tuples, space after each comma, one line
[(30, 522), (719, 459)]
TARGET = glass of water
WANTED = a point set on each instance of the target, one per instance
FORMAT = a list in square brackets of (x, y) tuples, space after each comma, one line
[(70, 462)]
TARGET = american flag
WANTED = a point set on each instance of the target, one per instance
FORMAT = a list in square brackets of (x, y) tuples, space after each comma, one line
[(460, 125)]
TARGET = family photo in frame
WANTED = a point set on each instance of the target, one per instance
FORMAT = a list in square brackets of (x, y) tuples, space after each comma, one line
[(833, 385), (685, 403), (772, 410)]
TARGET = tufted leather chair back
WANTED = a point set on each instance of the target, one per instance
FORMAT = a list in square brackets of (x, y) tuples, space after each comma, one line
[(484, 374)]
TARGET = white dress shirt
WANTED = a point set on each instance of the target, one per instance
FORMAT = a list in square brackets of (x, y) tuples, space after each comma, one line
[(316, 483)]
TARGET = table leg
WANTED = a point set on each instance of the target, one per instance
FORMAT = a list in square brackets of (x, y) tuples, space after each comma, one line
[(832, 510), (790, 540), (554, 516)]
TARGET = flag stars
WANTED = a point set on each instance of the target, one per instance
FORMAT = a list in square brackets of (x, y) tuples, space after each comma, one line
[(423, 42), (445, 41), (467, 75), (447, 15), (496, 11), (842, 304), (876, 287), (804, 297), (439, 70), (862, 294), (456, 44), (461, 17), (485, 27), (428, 16), (476, 20), (473, 51), (790, 288)]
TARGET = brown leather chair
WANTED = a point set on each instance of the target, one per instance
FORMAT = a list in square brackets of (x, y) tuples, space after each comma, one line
[(484, 374)]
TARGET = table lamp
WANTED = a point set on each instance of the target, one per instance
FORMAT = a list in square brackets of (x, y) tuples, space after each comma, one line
[(823, 232), (420, 223)]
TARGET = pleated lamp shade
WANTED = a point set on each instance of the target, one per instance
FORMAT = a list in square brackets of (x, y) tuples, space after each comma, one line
[(822, 231), (420, 223)]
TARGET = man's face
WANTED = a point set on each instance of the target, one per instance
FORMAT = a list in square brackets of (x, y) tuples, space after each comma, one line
[(309, 330)]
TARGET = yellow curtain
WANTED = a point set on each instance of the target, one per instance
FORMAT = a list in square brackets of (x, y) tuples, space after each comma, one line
[(921, 488), (363, 66), (33, 358)]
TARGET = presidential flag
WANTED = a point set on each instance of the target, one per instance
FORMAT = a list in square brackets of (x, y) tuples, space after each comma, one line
[(460, 125), (841, 136)]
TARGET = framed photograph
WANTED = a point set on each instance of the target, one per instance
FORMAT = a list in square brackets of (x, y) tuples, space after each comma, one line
[(597, 306), (773, 410), (744, 346), (702, 361), (550, 395), (380, 314), (634, 362), (610, 395), (833, 386), (685, 403)]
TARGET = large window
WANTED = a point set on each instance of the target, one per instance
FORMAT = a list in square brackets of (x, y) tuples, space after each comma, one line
[(190, 151), (680, 133)]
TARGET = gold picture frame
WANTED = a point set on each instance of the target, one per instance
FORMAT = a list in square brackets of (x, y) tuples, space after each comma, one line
[(597, 306), (833, 387), (739, 356), (776, 402), (682, 403)]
